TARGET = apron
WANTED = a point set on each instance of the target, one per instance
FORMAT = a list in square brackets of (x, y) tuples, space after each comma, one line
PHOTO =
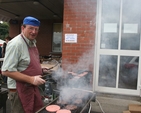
[(29, 94)]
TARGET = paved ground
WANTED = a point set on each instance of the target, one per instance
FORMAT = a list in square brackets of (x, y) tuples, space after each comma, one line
[(113, 103)]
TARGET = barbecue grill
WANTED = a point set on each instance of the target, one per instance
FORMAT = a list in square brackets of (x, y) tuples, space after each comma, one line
[(84, 107)]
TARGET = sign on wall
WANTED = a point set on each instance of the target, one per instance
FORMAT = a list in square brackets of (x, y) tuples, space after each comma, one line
[(130, 28), (110, 27), (70, 38)]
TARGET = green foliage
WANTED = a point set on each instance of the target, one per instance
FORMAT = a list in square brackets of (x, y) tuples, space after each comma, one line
[(4, 30)]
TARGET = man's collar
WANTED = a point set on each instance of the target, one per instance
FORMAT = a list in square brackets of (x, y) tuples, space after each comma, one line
[(29, 42)]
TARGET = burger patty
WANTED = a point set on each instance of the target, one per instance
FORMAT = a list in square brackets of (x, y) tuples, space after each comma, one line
[(52, 108), (78, 101), (63, 111), (71, 107)]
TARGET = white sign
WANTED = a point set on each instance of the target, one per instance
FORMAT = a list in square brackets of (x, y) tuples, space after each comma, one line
[(130, 28), (70, 38), (110, 27)]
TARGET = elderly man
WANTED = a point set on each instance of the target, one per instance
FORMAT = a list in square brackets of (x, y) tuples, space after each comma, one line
[(21, 63)]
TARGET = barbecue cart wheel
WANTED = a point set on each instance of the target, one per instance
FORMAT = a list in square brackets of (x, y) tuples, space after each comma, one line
[(52, 108), (63, 111)]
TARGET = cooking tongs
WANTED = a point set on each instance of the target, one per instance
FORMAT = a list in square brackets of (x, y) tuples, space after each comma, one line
[(52, 66), (46, 78)]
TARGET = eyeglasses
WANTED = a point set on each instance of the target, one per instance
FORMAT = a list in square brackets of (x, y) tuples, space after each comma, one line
[(33, 29)]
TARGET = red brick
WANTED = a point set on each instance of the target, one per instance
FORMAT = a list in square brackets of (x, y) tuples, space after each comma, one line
[(80, 16)]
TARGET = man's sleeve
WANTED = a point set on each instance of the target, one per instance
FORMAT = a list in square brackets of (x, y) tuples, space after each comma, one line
[(11, 58)]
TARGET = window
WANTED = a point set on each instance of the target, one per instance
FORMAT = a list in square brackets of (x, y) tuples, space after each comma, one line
[(118, 47), (57, 37)]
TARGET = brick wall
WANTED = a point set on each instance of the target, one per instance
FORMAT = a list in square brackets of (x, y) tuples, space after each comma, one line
[(80, 19), (44, 38)]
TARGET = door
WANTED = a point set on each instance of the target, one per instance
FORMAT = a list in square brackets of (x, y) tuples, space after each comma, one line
[(118, 47)]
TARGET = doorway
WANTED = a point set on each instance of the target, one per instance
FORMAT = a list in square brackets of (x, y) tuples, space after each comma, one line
[(118, 48)]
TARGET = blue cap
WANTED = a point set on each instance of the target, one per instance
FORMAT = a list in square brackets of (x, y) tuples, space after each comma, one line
[(31, 21)]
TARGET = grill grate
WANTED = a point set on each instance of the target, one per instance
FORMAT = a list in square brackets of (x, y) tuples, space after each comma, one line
[(72, 111), (83, 109)]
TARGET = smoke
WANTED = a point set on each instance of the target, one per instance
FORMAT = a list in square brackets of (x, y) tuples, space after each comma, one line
[(107, 70), (72, 96), (67, 84), (65, 81)]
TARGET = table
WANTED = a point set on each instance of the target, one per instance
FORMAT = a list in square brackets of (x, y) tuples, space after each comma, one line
[(3, 98)]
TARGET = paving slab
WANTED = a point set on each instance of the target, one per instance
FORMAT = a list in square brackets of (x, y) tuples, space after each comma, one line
[(112, 105)]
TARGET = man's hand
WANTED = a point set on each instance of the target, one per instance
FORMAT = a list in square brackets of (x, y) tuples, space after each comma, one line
[(37, 80)]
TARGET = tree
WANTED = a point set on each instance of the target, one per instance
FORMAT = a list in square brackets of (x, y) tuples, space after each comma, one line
[(4, 30)]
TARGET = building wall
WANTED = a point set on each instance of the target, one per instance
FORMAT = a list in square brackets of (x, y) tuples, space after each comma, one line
[(44, 38), (79, 18)]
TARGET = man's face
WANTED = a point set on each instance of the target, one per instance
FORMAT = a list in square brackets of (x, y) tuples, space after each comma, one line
[(30, 31)]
